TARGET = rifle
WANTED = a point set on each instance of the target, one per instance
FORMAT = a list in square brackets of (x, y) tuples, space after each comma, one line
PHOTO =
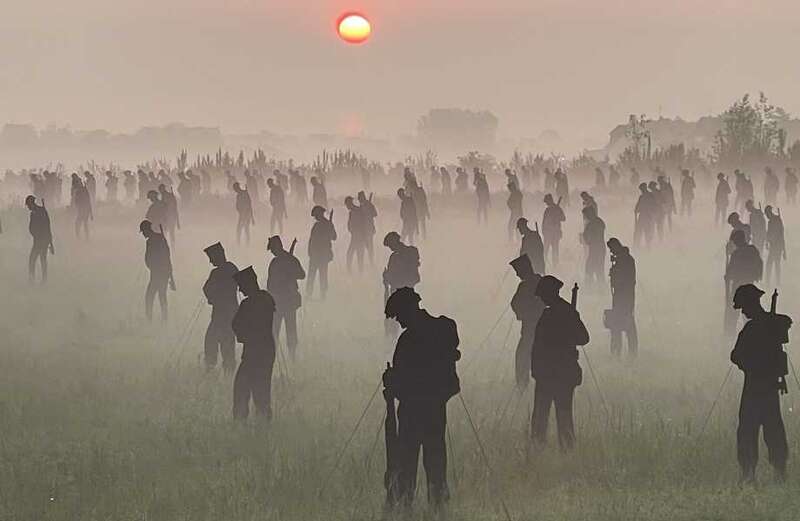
[(291, 248), (330, 215), (783, 358), (575, 289), (392, 440)]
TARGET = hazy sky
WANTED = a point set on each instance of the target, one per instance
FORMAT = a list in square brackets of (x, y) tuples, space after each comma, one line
[(578, 66)]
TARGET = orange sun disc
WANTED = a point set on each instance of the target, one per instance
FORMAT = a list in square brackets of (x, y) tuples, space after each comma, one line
[(353, 28)]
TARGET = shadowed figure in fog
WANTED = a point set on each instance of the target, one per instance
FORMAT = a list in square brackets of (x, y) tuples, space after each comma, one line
[(514, 204), (722, 198), (277, 200), (759, 354), (143, 186), (758, 225), (41, 232), (776, 245), (736, 223), (251, 185), (645, 214), (659, 207), (462, 181), (230, 180), (282, 275), (771, 186), (482, 195), (319, 194), (554, 363), (790, 185), (91, 186), (532, 245), (512, 178), (112, 187), (172, 219), (688, 186), (744, 189), (422, 378), (158, 261), (320, 250), (369, 213), (446, 181), (621, 318), (417, 193), (527, 307), (667, 199), (562, 187), (220, 292), (594, 237), (551, 228), (357, 226), (252, 324), (185, 189), (283, 181), (588, 200), (82, 205), (744, 267), (408, 216), (157, 211), (244, 210), (402, 270), (299, 190)]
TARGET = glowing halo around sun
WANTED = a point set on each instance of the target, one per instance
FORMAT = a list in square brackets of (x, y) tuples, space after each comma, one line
[(353, 28)]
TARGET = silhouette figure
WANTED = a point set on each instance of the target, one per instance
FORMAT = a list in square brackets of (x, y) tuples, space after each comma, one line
[(775, 243), (369, 213), (423, 378), (357, 226), (667, 199), (722, 198), (251, 185), (744, 188), (402, 269), (482, 193), (39, 228), (282, 275), (659, 208), (744, 267), (736, 224), (594, 237), (277, 200), (408, 216), (687, 192), (562, 187), (253, 325), (588, 200), (320, 250), (157, 211), (462, 179), (645, 217), (82, 204), (244, 208), (447, 185), (527, 307), (759, 354), (514, 204), (220, 292), (621, 317), (299, 190), (551, 228), (532, 245), (91, 186), (186, 189), (158, 261), (172, 219), (112, 187), (790, 184), (771, 186), (554, 363), (319, 194), (758, 225)]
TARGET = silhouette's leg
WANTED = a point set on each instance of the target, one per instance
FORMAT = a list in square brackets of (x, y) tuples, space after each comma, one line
[(409, 441), (633, 338), (291, 331), (241, 393), (32, 263), (775, 433), (542, 400), (227, 347), (276, 325), (162, 300), (43, 260), (149, 297), (323, 279), (747, 435), (360, 257), (434, 455), (566, 424), (616, 341), (211, 345), (312, 274), (262, 380)]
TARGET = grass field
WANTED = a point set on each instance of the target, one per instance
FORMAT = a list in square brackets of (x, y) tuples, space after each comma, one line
[(104, 417)]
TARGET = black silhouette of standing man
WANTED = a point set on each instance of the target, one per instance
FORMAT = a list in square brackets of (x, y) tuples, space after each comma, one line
[(158, 261), (39, 228), (220, 291), (282, 275), (527, 307)]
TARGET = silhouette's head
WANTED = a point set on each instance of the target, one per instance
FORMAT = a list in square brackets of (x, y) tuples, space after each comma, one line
[(768, 170), (318, 212), (614, 246), (401, 193), (146, 228), (522, 225), (585, 196), (508, 172), (152, 195), (162, 188), (216, 254), (749, 205), (720, 176), (522, 267), (236, 187), (275, 245), (392, 240), (685, 172), (548, 199), (643, 187), (348, 203), (75, 178), (442, 170), (733, 218), (402, 306), (247, 280), (361, 196), (768, 211), (738, 238), (548, 289), (270, 182), (748, 298), (30, 202), (653, 185), (314, 180)]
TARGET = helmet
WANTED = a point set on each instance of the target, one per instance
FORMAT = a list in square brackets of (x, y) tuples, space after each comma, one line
[(391, 238), (746, 293), (548, 285), (400, 300), (318, 211)]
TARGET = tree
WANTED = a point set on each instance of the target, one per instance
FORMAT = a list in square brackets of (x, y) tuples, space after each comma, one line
[(751, 132)]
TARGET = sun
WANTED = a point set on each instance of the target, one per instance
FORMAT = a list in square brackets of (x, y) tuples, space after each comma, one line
[(353, 28)]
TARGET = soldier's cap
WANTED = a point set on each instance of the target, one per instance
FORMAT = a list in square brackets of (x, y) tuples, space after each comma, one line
[(390, 238), (548, 198), (642, 186), (151, 194), (246, 277), (746, 293), (215, 249), (402, 299), (522, 264), (768, 208), (613, 243), (145, 225), (522, 222), (317, 211), (720, 176), (275, 240), (30, 200), (548, 285), (361, 194)]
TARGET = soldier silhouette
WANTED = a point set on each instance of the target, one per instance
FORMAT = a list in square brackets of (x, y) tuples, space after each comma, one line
[(408, 216), (251, 184), (252, 324), (482, 194), (621, 317), (40, 230), (277, 201), (462, 180), (759, 354), (562, 187), (790, 184), (423, 378), (299, 190), (112, 187), (659, 208), (527, 307), (244, 209), (172, 220), (319, 194), (369, 213), (744, 188), (532, 245), (551, 228), (594, 237), (514, 204), (157, 211), (220, 291), (758, 225), (736, 224), (282, 275), (644, 216), (771, 186), (688, 186), (320, 250), (91, 186), (775, 243), (588, 200), (667, 199), (744, 267), (554, 363), (82, 204), (357, 226), (158, 262), (722, 198), (447, 186), (402, 269), (185, 189)]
